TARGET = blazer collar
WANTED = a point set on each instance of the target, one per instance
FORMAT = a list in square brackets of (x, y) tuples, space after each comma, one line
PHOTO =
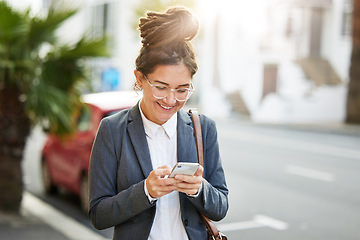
[(186, 147), (138, 139)]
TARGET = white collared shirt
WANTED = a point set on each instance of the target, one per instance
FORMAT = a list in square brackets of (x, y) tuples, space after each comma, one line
[(162, 142)]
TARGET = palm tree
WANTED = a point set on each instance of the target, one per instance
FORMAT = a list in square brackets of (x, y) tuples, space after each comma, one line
[(39, 84), (353, 98)]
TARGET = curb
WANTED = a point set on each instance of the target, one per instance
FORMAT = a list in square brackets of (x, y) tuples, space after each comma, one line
[(58, 220)]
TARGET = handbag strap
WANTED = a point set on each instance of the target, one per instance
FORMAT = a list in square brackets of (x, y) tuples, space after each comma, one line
[(198, 135), (199, 146)]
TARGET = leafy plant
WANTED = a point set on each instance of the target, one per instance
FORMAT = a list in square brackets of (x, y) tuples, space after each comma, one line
[(40, 81)]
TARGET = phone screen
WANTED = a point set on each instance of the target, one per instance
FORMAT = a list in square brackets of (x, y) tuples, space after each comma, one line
[(184, 168)]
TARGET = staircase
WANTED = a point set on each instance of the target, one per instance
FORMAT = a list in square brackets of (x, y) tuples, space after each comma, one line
[(320, 71), (237, 104)]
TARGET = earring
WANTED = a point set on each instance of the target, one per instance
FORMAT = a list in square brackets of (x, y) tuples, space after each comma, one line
[(137, 87)]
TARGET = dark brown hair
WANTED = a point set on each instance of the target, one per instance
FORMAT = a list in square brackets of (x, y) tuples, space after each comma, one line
[(166, 40)]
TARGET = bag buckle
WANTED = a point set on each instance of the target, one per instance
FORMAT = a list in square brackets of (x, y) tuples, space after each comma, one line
[(220, 236)]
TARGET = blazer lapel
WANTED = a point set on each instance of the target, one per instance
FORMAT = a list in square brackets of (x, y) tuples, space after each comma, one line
[(186, 148), (138, 139)]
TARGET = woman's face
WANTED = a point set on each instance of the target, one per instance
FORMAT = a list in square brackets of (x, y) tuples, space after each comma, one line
[(172, 76)]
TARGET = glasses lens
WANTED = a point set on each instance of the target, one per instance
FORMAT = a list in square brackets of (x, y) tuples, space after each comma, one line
[(182, 94), (160, 91)]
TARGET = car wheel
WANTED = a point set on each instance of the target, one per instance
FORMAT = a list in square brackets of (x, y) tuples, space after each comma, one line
[(84, 193), (49, 187)]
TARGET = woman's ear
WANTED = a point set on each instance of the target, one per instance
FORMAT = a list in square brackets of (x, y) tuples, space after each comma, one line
[(139, 78)]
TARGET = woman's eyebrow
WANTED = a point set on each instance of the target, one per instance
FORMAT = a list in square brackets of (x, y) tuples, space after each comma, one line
[(164, 83)]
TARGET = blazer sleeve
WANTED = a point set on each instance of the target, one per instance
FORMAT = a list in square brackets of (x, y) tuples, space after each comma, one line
[(213, 200), (108, 207)]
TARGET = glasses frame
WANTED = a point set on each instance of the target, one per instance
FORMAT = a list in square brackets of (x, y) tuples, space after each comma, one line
[(190, 90)]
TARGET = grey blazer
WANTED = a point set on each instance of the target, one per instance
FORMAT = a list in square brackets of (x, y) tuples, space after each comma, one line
[(120, 162)]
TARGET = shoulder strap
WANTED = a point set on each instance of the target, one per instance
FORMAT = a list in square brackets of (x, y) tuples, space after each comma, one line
[(211, 228), (198, 135)]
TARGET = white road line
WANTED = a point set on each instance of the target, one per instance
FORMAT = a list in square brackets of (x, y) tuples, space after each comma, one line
[(271, 222), (59, 221), (258, 221), (309, 173), (227, 227)]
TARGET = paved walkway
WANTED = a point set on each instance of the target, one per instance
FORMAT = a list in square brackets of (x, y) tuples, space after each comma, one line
[(41, 221)]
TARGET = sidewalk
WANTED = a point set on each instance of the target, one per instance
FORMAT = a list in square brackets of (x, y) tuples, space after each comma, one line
[(40, 221), (332, 128), (26, 227)]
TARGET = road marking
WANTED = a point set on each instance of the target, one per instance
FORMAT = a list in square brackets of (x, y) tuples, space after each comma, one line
[(309, 173), (56, 219), (271, 222), (227, 227), (258, 221)]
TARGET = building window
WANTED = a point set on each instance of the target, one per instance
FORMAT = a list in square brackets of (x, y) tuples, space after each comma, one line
[(347, 18), (46, 4), (102, 20)]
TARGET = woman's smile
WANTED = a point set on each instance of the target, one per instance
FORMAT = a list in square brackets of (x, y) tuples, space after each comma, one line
[(166, 107)]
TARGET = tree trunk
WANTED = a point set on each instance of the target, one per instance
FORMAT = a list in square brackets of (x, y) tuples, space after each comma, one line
[(353, 98), (14, 129)]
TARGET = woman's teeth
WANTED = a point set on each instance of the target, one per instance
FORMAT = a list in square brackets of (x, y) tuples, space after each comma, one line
[(163, 106)]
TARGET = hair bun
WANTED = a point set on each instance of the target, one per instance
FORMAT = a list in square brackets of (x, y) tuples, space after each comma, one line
[(177, 24)]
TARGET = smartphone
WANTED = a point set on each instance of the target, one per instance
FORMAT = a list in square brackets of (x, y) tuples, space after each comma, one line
[(184, 168)]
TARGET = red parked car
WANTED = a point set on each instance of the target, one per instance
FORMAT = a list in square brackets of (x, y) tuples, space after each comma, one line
[(65, 163)]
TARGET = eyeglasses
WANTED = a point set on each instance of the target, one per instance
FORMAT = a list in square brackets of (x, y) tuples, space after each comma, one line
[(161, 91)]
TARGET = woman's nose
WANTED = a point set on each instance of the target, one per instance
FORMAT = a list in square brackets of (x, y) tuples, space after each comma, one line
[(170, 98)]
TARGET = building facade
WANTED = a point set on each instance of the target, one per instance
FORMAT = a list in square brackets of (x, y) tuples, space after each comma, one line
[(281, 61)]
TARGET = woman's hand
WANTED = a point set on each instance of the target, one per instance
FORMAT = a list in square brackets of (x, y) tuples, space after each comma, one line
[(156, 183), (189, 184)]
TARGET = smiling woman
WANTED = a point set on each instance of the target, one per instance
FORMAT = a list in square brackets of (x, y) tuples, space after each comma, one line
[(135, 149)]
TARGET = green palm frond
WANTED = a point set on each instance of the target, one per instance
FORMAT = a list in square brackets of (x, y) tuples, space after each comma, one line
[(48, 105), (13, 25), (87, 47), (49, 79), (13, 31), (64, 67), (43, 30)]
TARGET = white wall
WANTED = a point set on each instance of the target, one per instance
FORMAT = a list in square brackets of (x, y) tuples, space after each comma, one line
[(337, 47)]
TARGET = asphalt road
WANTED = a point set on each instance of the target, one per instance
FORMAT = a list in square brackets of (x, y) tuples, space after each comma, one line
[(291, 185), (284, 183)]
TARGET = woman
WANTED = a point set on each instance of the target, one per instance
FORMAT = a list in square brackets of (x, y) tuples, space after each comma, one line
[(135, 149)]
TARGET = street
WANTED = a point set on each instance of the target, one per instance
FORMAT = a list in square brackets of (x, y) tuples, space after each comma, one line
[(284, 183), (292, 185)]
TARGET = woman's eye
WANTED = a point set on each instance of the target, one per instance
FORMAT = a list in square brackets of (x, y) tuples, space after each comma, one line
[(182, 90), (161, 87)]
